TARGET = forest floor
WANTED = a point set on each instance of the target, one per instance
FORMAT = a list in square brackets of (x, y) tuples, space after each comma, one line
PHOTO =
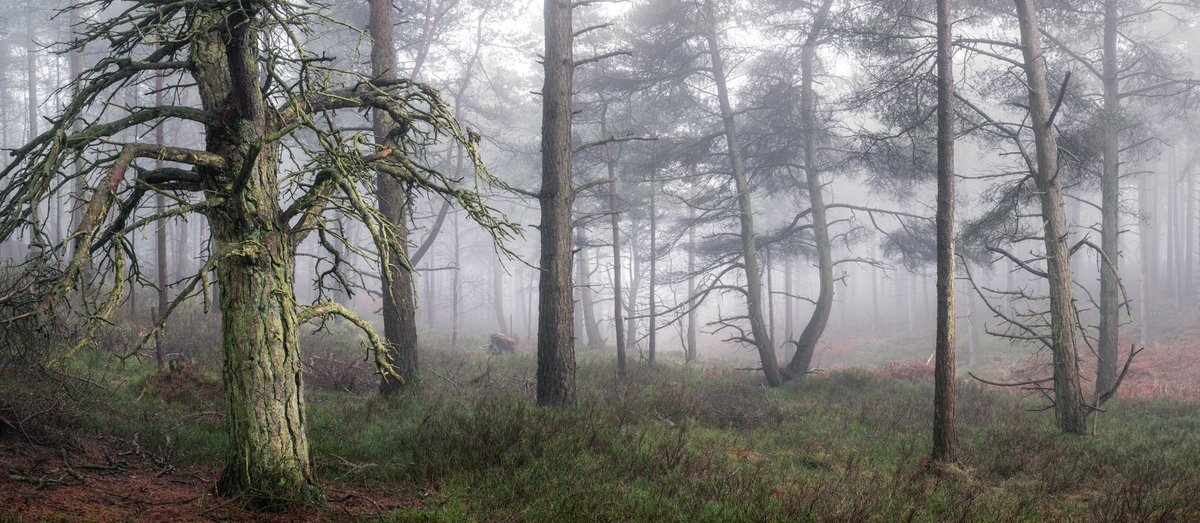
[(704, 442)]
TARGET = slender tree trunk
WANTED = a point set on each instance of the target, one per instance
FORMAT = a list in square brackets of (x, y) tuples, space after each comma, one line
[(692, 351), (457, 292), (430, 298), (37, 242), (1189, 229), (1068, 396), (498, 297), (770, 270), (556, 350), (635, 284), (586, 295), (160, 237), (1146, 248), (975, 326), (758, 328), (182, 248), (789, 312), (1177, 219), (615, 218), (1169, 216), (875, 297), (1106, 373), (945, 434), (454, 304), (911, 302), (653, 328), (529, 305), (806, 346)]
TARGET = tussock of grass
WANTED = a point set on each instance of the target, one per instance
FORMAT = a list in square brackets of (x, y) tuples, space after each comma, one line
[(677, 443)]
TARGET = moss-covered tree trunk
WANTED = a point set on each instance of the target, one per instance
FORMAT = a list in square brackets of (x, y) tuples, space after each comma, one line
[(268, 458)]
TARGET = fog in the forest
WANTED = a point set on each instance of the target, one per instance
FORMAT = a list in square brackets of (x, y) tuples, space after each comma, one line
[(406, 197), (877, 178)]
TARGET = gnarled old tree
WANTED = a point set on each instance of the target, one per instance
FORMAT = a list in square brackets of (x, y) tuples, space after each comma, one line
[(271, 171)]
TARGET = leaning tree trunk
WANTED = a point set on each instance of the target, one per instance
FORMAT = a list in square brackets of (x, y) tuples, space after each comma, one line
[(1069, 406), (399, 307), (758, 328), (555, 349), (945, 433), (806, 346), (1110, 185)]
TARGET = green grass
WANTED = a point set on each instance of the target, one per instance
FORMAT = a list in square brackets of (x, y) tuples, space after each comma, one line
[(677, 443)]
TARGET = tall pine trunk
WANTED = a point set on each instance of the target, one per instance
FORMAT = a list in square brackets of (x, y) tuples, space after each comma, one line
[(945, 435), (399, 305), (1110, 184), (555, 344)]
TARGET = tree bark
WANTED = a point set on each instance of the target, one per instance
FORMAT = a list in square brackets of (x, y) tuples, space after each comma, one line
[(758, 328), (1068, 396), (399, 305), (945, 434), (555, 349)]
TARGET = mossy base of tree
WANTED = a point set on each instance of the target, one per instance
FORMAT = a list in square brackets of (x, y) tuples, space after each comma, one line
[(269, 491)]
